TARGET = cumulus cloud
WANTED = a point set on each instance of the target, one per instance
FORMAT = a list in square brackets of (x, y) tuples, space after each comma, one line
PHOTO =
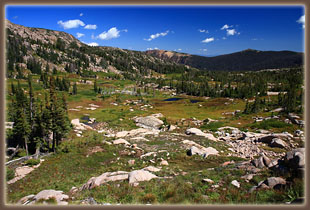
[(71, 24), (149, 48), (112, 33), (154, 36), (203, 31), (225, 27), (207, 40), (231, 32), (301, 20), (93, 44), (79, 35), (81, 14), (88, 26)]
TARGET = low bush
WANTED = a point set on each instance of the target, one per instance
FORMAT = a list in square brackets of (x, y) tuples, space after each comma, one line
[(10, 174), (32, 162)]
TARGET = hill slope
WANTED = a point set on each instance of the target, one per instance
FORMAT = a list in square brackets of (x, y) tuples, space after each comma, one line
[(249, 60), (36, 49)]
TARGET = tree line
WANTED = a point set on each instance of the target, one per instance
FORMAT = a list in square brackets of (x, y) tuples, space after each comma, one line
[(38, 124)]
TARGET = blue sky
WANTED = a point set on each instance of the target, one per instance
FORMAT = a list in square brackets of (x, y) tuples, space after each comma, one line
[(202, 30)]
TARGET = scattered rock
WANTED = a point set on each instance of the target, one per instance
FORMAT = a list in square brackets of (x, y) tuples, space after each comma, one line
[(45, 195), (208, 181), (121, 134), (278, 143), (131, 162), (149, 122), (164, 163), (151, 169), (104, 178), (89, 201), (139, 176), (274, 181), (235, 183), (121, 141)]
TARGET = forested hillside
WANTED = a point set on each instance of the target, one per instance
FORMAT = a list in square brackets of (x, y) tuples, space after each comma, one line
[(247, 60)]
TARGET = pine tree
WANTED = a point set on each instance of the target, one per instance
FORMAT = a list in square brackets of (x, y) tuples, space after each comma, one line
[(95, 86), (74, 92)]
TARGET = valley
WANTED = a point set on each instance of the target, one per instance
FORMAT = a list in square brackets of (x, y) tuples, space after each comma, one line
[(107, 126)]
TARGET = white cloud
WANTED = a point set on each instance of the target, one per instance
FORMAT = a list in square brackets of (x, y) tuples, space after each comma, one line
[(149, 48), (71, 24), (81, 14), (79, 35), (224, 38), (93, 36), (111, 34), (231, 32), (154, 36), (301, 20), (88, 26), (225, 27), (125, 30), (93, 44), (207, 40), (203, 31)]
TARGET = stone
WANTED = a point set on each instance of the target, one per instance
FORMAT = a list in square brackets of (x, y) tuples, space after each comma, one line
[(149, 122), (208, 181), (73, 190), (235, 183), (131, 162), (164, 163), (276, 142), (295, 158), (104, 178), (140, 175), (210, 151), (151, 169), (273, 181), (172, 128), (266, 139), (198, 132), (248, 177), (26, 199), (48, 194), (89, 201), (148, 154), (120, 141), (121, 134)]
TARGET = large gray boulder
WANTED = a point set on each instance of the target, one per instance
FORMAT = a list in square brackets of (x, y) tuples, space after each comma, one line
[(198, 132), (44, 195), (205, 152), (104, 178), (295, 158), (149, 122), (140, 175), (261, 162), (274, 181), (276, 142)]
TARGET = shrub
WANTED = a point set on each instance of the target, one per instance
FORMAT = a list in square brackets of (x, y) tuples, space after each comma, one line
[(148, 198), (32, 162), (213, 126), (267, 124), (10, 174)]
